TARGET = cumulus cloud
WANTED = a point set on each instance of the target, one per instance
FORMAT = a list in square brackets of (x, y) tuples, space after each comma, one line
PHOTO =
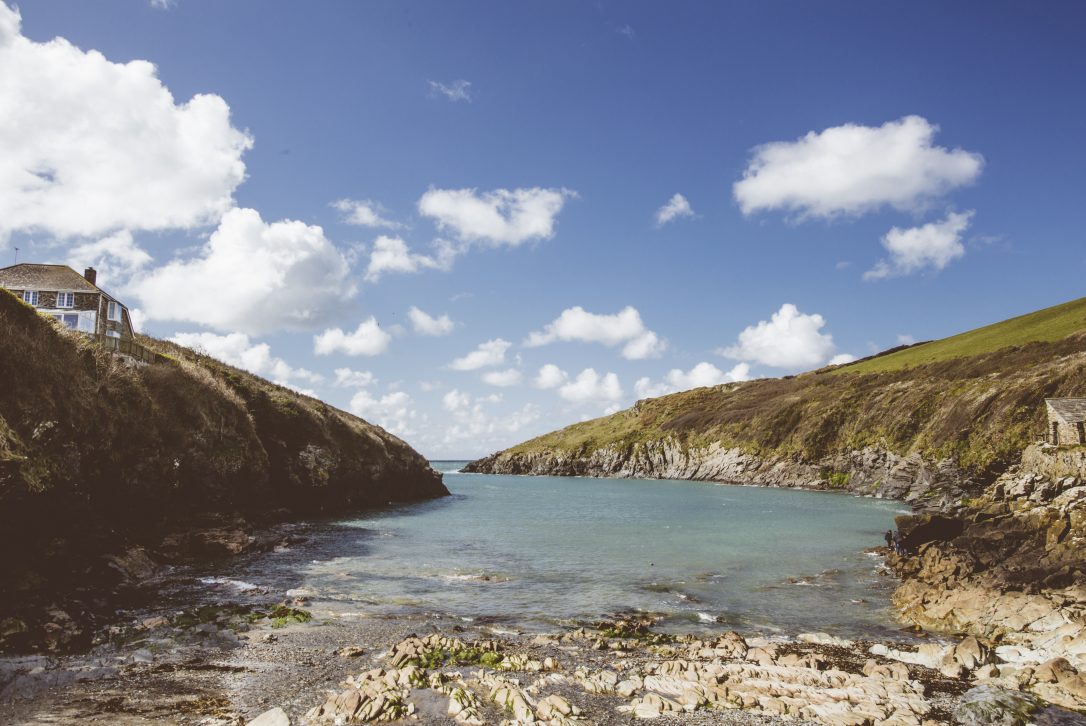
[(790, 340), (458, 90), (367, 339), (702, 375), (841, 359), (505, 378), (932, 246), (251, 277), (365, 213), (676, 208), (490, 353), (623, 328), (550, 376), (591, 386), (92, 147), (501, 217), (393, 411), (116, 258), (391, 254), (238, 350), (348, 378), (455, 400), (425, 324), (854, 169)]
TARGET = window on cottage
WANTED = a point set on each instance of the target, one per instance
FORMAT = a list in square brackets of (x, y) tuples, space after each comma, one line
[(65, 299), (113, 334), (70, 320), (113, 311), (30, 297)]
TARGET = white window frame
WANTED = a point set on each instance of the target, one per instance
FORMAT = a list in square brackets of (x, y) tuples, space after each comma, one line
[(65, 300), (112, 334), (113, 311), (30, 297)]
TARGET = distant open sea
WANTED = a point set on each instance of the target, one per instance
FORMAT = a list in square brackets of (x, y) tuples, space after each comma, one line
[(536, 552)]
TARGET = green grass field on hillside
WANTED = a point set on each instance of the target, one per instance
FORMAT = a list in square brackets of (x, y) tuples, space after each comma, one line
[(1046, 325)]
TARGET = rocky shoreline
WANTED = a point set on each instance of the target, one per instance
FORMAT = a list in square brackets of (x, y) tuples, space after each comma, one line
[(1007, 567), (220, 666), (871, 471)]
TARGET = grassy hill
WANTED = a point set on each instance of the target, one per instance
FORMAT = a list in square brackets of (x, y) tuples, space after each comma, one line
[(99, 456), (975, 399), (1050, 324)]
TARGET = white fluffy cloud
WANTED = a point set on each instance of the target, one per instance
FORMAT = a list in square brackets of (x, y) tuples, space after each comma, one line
[(841, 359), (702, 375), (490, 353), (550, 376), (623, 328), (92, 147), (393, 411), (425, 324), (591, 386), (251, 277), (790, 340), (455, 400), (391, 254), (500, 217), (367, 339), (116, 258), (458, 90), (504, 379), (348, 378), (676, 208), (853, 169), (931, 246), (364, 213), (237, 350)]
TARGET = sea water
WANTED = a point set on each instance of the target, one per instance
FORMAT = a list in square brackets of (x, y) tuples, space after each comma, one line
[(534, 552)]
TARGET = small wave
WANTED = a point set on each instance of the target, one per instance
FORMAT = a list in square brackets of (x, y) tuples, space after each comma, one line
[(239, 585), (480, 577), (706, 618)]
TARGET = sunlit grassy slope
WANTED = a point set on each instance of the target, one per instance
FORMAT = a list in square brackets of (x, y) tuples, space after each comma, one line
[(977, 398), (1045, 325)]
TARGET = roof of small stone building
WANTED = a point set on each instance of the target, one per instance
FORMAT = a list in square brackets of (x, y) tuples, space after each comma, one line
[(1068, 410), (31, 276)]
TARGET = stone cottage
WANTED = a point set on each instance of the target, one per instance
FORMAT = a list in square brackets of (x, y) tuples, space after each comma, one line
[(73, 299), (1066, 421)]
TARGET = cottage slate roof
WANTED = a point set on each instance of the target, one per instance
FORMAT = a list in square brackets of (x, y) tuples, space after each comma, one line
[(31, 276), (1067, 410)]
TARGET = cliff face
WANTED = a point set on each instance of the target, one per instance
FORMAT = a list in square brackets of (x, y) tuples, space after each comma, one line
[(871, 471), (1010, 568), (99, 458), (927, 433)]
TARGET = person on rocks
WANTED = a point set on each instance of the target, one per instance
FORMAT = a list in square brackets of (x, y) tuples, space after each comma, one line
[(899, 546), (889, 537)]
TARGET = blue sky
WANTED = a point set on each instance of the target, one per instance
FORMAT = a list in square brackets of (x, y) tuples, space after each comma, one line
[(539, 142)]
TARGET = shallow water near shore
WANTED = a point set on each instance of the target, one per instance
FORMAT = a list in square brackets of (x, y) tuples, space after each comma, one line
[(535, 552)]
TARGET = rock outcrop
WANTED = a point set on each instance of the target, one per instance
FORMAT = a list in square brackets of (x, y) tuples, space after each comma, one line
[(107, 467), (871, 471), (1010, 569)]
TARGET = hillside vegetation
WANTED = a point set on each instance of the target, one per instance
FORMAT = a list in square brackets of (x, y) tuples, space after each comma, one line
[(1050, 324), (975, 399), (98, 455)]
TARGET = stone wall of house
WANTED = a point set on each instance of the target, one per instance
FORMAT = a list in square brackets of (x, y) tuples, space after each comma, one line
[(1064, 434)]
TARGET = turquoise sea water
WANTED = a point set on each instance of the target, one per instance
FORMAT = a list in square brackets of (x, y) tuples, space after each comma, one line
[(531, 552)]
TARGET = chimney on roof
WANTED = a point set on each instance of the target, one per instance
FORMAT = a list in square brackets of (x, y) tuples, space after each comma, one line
[(91, 274)]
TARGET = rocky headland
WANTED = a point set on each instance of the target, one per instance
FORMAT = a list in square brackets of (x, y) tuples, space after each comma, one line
[(110, 469)]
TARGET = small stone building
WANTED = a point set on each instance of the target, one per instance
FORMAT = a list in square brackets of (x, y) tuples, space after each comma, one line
[(1066, 421), (73, 299)]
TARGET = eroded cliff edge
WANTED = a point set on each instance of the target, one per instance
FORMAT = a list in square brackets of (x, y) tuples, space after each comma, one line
[(109, 468)]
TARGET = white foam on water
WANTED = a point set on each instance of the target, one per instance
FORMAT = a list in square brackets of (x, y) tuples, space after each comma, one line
[(239, 585)]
